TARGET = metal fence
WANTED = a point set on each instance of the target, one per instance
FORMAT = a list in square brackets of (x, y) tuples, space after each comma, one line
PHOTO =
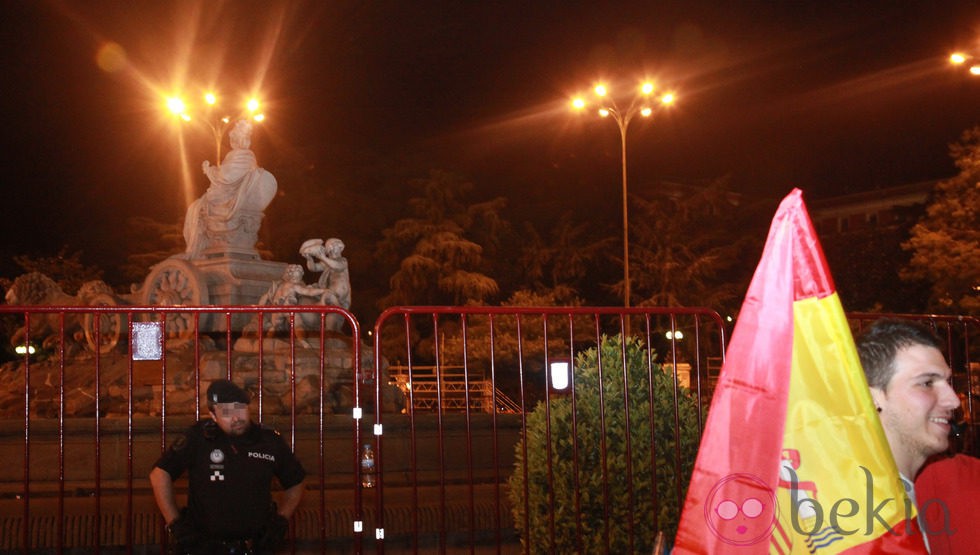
[(495, 376), (476, 442)]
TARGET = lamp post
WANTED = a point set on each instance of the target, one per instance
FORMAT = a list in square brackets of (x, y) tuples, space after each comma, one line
[(215, 120), (642, 103)]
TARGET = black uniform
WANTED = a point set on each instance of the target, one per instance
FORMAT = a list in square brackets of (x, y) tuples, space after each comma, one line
[(230, 478)]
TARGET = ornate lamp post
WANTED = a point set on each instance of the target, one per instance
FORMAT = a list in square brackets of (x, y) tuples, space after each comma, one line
[(216, 120), (642, 103)]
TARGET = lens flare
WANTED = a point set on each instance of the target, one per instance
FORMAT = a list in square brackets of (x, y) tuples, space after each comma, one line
[(111, 57)]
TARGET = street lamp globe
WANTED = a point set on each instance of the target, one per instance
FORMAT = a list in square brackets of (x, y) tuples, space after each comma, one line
[(176, 105), (213, 118), (960, 58)]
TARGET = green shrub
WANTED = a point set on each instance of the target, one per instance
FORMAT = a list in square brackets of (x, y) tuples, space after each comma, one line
[(590, 484)]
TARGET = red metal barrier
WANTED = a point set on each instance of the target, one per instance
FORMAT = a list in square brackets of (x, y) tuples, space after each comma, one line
[(450, 395), (512, 348), (95, 413)]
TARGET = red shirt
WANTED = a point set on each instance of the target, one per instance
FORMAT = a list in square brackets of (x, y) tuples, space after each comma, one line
[(947, 492)]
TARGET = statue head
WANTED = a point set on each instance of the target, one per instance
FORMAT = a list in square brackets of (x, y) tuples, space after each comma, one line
[(333, 244), (293, 273), (240, 135)]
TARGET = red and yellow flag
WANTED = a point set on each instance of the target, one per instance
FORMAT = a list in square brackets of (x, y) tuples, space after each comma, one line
[(793, 458)]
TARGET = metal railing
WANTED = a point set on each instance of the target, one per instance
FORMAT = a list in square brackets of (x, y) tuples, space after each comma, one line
[(450, 391), (470, 471), (104, 390), (468, 428)]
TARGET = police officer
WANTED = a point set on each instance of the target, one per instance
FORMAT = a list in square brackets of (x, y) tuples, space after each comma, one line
[(230, 462)]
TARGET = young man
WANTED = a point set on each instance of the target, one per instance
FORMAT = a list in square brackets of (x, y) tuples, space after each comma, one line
[(230, 462), (909, 381)]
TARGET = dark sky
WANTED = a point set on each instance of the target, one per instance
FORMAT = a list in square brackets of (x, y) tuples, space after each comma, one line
[(831, 97)]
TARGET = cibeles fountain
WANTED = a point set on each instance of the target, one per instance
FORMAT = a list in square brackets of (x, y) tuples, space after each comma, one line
[(221, 266)]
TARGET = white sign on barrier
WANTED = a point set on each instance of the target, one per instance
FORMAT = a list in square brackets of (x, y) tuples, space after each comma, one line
[(147, 341)]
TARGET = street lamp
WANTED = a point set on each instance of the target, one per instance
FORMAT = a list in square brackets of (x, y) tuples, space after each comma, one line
[(215, 119), (642, 103), (959, 58)]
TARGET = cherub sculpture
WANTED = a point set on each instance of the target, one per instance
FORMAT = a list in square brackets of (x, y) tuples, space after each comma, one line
[(325, 256)]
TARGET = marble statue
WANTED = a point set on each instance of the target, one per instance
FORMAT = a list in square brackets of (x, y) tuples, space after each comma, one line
[(290, 288), (275, 327), (227, 217), (325, 257)]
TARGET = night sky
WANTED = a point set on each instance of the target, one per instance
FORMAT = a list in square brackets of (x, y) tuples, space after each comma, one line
[(831, 97)]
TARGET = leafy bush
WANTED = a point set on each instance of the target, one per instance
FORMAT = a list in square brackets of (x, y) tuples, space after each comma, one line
[(579, 492)]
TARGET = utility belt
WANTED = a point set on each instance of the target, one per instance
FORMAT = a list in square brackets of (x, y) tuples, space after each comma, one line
[(188, 540)]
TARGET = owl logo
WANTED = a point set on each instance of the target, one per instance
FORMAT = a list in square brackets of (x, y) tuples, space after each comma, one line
[(741, 510), (217, 456)]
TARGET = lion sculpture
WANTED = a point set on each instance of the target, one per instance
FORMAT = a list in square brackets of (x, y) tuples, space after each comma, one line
[(37, 289)]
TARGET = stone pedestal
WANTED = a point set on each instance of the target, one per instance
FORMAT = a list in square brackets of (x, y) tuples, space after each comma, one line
[(227, 280), (233, 281)]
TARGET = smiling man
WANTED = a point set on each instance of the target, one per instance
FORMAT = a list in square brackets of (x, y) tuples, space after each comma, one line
[(910, 385), (230, 462), (909, 381)]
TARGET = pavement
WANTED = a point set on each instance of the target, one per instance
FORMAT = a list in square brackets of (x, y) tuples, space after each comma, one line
[(429, 519)]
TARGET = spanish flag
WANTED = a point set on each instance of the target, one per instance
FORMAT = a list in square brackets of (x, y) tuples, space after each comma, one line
[(793, 458)]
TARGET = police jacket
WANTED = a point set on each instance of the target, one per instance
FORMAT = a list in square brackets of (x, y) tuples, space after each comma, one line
[(230, 478)]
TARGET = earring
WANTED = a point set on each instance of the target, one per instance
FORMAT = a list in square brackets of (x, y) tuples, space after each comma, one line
[(878, 408)]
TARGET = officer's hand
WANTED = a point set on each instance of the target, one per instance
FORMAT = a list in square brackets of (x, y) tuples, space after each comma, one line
[(273, 534), (184, 532)]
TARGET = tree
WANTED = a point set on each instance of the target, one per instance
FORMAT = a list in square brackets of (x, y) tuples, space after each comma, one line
[(152, 241), (689, 248), (560, 266), (443, 250), (864, 260), (945, 243), (68, 271)]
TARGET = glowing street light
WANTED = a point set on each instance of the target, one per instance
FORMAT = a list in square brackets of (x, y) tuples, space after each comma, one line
[(643, 103), (218, 122), (959, 58)]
